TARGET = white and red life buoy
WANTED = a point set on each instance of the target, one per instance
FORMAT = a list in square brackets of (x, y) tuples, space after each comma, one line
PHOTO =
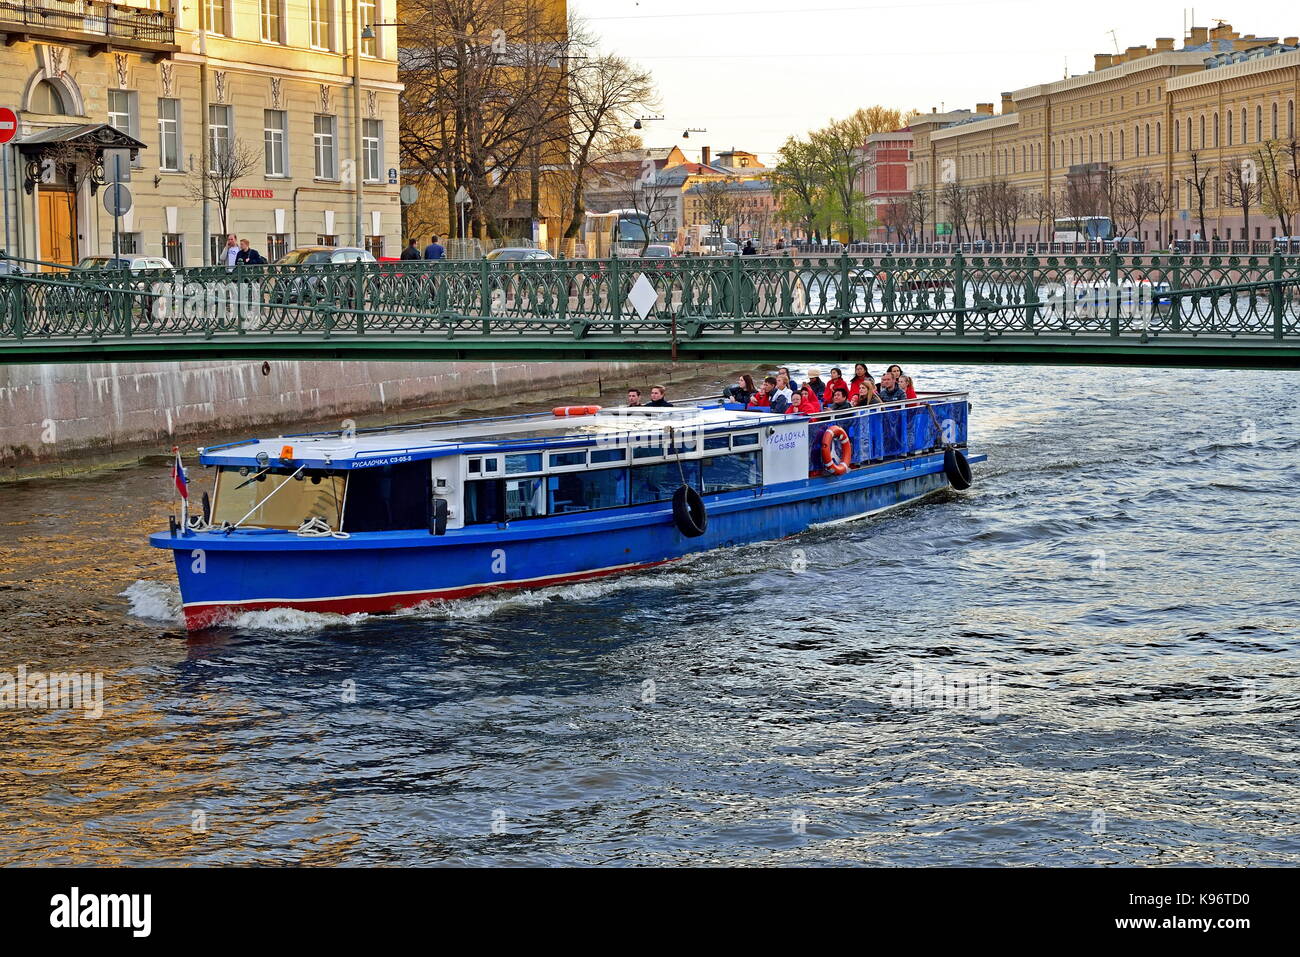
[(837, 450)]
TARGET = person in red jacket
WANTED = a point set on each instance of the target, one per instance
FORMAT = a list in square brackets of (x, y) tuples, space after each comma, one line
[(804, 402), (860, 375), (906, 382), (836, 381), (762, 399)]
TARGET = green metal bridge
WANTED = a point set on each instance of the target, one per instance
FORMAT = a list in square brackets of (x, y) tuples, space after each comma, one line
[(1148, 310)]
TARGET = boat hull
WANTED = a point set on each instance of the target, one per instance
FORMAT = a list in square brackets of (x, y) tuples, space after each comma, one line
[(221, 576)]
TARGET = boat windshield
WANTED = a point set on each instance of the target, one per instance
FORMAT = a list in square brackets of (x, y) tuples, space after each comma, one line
[(277, 498)]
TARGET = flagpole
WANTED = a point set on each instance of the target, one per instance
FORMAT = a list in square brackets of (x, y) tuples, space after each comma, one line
[(185, 502)]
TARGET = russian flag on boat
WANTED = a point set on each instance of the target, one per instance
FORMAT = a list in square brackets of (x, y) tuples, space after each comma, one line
[(178, 475)]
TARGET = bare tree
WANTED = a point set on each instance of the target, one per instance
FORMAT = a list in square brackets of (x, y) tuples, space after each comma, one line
[(1136, 200), (1197, 184), (1242, 189), (717, 203), (486, 96), (956, 198), (226, 166), (918, 210), (1279, 181)]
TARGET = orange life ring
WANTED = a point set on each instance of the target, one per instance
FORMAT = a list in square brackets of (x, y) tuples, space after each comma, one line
[(564, 411), (836, 466)]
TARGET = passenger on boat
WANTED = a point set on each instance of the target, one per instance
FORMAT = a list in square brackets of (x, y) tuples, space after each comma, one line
[(867, 395), (633, 397), (783, 386), (805, 403), (742, 391), (889, 390), (860, 375), (839, 400), (896, 369), (785, 371), (905, 382), (816, 384), (836, 382), (658, 397), (762, 399)]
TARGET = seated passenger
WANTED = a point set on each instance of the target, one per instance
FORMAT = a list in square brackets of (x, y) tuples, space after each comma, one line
[(783, 386), (658, 397), (805, 402), (762, 399), (905, 381), (742, 391), (785, 371), (889, 390), (836, 381), (839, 400), (816, 384), (867, 395), (860, 374), (633, 397)]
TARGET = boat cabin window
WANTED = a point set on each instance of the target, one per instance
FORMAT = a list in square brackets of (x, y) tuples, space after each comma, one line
[(388, 498), (528, 462), (608, 455), (725, 473), (747, 438), (583, 491), (274, 497), (561, 460), (657, 483), (503, 500)]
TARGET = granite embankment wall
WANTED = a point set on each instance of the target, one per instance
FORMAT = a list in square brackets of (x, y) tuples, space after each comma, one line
[(54, 415)]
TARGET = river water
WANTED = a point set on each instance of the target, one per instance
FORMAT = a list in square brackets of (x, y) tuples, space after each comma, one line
[(1088, 658)]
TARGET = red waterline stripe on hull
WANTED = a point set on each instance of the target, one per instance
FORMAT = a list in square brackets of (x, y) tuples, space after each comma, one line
[(200, 617)]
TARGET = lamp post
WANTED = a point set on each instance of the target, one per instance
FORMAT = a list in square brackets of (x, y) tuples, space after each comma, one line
[(359, 35)]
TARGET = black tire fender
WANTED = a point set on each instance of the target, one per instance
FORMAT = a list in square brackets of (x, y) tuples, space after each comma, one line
[(957, 469), (689, 514)]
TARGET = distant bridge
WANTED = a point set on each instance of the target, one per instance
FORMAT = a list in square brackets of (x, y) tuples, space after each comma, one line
[(1112, 309)]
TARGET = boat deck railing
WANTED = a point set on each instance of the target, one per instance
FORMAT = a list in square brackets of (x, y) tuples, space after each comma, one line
[(543, 443)]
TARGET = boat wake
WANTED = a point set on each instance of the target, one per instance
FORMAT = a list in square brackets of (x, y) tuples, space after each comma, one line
[(160, 602)]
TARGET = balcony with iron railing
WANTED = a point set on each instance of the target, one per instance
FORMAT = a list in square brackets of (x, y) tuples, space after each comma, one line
[(99, 25)]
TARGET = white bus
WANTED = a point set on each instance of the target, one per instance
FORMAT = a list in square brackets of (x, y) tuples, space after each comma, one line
[(1083, 229)]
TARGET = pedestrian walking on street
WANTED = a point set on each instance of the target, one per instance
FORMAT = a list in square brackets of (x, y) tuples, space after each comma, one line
[(248, 256), (434, 250), (410, 252), (231, 252)]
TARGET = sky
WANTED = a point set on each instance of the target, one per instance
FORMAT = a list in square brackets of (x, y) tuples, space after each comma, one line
[(752, 72)]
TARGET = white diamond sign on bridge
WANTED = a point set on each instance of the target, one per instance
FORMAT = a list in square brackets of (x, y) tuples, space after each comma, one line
[(643, 296)]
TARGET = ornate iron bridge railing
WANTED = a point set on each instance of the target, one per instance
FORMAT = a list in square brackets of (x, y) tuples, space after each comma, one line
[(703, 308)]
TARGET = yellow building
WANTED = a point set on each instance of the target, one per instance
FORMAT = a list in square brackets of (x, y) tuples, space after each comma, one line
[(268, 89), (1164, 116)]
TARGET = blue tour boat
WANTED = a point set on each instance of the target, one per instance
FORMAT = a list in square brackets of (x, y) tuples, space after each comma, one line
[(384, 519)]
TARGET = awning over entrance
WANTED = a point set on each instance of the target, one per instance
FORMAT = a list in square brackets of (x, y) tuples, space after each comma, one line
[(72, 146)]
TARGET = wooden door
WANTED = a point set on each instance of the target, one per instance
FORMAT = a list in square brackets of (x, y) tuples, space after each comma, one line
[(58, 212)]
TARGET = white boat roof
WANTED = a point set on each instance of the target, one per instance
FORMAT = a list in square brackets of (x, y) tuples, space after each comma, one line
[(323, 449)]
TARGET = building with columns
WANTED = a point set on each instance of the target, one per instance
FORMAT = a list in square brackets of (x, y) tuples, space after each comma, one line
[(291, 105)]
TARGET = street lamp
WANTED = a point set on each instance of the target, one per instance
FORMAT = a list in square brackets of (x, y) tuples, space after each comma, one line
[(645, 119), (687, 134), (360, 35)]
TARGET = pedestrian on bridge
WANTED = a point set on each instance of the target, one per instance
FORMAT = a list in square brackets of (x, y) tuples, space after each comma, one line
[(434, 250), (248, 256), (410, 252)]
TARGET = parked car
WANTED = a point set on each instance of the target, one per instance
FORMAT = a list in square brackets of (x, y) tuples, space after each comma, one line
[(123, 261), (658, 251), (517, 254), (323, 255)]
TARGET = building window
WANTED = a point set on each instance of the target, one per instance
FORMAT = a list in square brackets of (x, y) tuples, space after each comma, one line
[(321, 11), (216, 248), (274, 125), (47, 99), (119, 110), (126, 244), (1274, 136), (1290, 118), (216, 10), (370, 149), (218, 136), (277, 244), (270, 16), (173, 248), (326, 157), (1259, 123), (326, 239), (369, 45), (375, 245), (169, 134)]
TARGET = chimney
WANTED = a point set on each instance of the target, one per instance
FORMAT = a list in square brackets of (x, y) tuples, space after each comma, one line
[(1199, 36), (984, 108), (706, 154), (1221, 31), (1292, 41), (1164, 44), (1008, 105), (1135, 53), (1100, 61)]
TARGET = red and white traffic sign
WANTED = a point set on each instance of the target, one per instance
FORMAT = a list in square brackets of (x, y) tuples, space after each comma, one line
[(8, 124)]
